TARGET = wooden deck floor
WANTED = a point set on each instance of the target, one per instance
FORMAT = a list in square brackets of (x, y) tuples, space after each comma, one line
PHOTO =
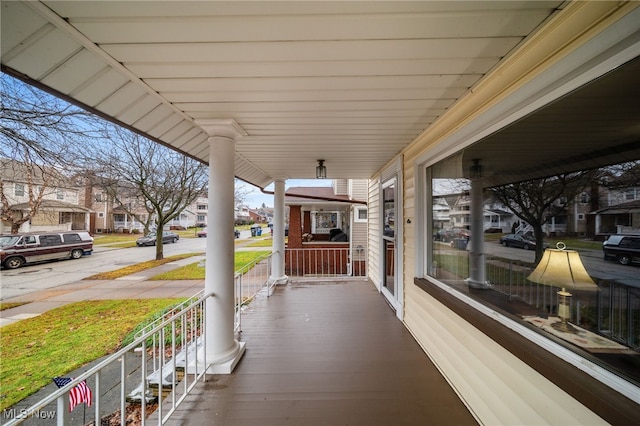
[(325, 353)]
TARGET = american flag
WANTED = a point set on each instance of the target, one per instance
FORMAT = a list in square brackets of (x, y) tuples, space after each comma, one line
[(79, 393)]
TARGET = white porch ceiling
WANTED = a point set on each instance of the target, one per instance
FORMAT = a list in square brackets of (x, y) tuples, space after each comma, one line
[(352, 83)]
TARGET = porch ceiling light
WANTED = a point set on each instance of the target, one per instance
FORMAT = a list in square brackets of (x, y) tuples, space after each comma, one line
[(563, 268), (321, 170)]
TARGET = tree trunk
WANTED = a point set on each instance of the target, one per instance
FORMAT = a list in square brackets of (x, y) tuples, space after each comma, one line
[(159, 246), (539, 235)]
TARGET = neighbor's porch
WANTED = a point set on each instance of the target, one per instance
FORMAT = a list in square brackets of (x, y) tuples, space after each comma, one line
[(325, 352)]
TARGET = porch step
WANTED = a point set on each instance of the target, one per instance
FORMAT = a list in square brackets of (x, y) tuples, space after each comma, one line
[(164, 385)]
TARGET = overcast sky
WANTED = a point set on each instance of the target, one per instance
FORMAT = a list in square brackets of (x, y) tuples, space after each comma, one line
[(256, 197)]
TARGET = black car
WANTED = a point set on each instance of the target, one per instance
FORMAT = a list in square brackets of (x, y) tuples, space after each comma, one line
[(520, 241), (623, 248), (150, 238)]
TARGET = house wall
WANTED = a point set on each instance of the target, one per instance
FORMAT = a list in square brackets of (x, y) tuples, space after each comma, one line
[(374, 231), (358, 189), (340, 186), (495, 384), (358, 241)]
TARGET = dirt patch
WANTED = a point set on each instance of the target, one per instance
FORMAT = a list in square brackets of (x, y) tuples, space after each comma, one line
[(133, 416)]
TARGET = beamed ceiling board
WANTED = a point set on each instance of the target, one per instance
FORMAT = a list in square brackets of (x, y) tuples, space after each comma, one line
[(306, 52), (249, 68), (351, 82)]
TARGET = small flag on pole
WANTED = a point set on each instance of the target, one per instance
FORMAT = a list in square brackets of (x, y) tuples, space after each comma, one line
[(78, 394)]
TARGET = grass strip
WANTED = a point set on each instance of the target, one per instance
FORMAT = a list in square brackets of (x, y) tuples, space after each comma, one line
[(195, 271), (132, 269), (9, 305), (265, 242), (35, 350)]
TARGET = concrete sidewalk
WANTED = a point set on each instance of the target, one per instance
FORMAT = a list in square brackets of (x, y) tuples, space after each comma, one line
[(134, 286)]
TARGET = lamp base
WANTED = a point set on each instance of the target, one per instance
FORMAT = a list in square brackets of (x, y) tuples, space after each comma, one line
[(564, 327)]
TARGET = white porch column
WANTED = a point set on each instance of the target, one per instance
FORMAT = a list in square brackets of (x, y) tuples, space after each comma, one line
[(223, 351), (477, 277), (277, 260)]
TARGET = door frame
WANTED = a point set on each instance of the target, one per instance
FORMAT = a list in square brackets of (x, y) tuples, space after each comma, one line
[(396, 300)]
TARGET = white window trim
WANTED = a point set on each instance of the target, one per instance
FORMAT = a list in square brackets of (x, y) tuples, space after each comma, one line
[(356, 214)]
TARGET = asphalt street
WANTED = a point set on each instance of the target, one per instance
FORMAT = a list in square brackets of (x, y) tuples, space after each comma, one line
[(41, 276)]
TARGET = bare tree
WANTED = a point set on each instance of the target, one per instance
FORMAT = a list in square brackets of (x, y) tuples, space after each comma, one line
[(537, 201), (166, 182), (241, 192), (38, 137), (622, 176)]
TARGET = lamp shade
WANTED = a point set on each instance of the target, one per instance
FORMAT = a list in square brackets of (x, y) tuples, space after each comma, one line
[(562, 268)]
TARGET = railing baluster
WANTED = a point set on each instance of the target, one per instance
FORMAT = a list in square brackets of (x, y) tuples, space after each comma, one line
[(97, 398), (123, 393), (143, 401)]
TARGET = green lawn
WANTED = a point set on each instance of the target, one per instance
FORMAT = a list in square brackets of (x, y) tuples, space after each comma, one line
[(127, 270), (35, 350), (264, 242), (195, 271)]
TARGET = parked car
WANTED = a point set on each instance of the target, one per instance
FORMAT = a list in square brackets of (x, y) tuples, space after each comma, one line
[(203, 233), (520, 241), (623, 248), (150, 238), (448, 235), (18, 249)]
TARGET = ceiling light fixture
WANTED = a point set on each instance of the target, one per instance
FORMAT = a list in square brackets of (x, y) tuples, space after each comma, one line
[(321, 170)]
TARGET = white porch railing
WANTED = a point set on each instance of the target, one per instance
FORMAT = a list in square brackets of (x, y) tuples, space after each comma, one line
[(325, 262), (159, 368), (248, 282), (141, 364)]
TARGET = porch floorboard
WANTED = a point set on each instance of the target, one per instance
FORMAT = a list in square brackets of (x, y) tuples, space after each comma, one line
[(325, 353)]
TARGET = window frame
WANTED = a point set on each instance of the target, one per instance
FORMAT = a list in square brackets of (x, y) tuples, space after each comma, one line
[(476, 313), (18, 189), (356, 214)]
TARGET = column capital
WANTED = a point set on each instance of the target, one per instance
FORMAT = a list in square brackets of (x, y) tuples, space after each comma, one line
[(226, 127)]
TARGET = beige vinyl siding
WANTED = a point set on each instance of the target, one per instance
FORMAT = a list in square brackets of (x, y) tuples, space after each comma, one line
[(358, 189), (373, 259), (485, 374), (482, 372), (359, 235), (341, 186)]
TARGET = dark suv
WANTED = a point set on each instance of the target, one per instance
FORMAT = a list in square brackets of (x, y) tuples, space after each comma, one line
[(623, 248)]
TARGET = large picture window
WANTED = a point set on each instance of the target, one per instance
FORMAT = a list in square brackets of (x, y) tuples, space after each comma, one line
[(604, 318)]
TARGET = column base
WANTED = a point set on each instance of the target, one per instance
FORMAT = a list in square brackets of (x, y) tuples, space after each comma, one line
[(225, 365), (283, 280), (477, 284)]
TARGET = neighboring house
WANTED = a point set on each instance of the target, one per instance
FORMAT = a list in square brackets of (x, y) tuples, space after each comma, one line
[(124, 221), (59, 197), (241, 214), (258, 217), (623, 218), (317, 214), (108, 214), (495, 216), (186, 219), (201, 209)]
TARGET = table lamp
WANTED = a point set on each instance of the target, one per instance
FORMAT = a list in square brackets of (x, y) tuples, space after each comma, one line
[(563, 268)]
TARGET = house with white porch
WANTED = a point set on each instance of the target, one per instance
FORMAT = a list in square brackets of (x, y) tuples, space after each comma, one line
[(56, 195), (404, 95)]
